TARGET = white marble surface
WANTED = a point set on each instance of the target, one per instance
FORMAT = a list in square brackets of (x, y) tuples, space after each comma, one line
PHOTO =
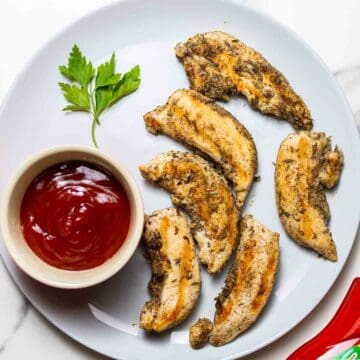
[(330, 27)]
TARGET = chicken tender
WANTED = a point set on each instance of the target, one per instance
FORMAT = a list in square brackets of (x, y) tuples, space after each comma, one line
[(197, 121), (305, 166), (218, 65), (249, 282), (175, 281), (204, 193)]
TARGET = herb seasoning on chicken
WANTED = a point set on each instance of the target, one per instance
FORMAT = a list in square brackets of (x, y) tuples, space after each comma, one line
[(204, 193), (199, 333), (249, 282), (197, 121), (219, 65), (175, 280), (305, 166)]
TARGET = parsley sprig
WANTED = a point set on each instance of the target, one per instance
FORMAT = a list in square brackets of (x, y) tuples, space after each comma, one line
[(93, 90)]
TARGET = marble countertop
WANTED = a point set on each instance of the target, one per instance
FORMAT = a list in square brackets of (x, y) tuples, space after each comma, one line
[(330, 27)]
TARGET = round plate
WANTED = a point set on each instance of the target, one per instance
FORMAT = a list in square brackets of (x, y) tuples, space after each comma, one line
[(105, 317)]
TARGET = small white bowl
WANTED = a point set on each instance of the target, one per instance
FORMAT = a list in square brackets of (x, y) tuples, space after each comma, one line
[(18, 248)]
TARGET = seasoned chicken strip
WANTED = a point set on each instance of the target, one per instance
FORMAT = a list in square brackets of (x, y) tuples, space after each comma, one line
[(198, 122), (199, 333), (248, 283), (201, 191), (219, 65), (305, 165), (175, 281)]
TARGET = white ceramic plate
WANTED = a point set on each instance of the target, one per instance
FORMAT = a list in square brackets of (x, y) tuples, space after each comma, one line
[(145, 31)]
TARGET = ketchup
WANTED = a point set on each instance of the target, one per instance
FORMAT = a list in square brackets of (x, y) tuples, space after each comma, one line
[(75, 215)]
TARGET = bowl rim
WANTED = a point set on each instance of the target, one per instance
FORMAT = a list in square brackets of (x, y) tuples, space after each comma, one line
[(96, 274)]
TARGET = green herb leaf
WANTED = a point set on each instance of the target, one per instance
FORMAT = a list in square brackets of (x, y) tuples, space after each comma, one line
[(105, 74), (73, 108), (127, 85), (103, 98), (77, 96), (78, 69), (95, 93)]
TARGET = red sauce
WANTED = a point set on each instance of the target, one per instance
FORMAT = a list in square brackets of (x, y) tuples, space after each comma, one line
[(75, 215)]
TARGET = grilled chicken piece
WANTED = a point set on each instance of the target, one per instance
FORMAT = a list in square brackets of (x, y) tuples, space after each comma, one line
[(219, 65), (305, 165), (175, 281), (201, 191), (248, 283), (199, 333), (200, 123)]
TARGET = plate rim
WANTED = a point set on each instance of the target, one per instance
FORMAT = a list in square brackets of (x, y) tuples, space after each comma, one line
[(271, 19)]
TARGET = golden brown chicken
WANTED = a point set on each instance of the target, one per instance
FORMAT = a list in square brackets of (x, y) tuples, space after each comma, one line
[(199, 333), (204, 193), (201, 124), (305, 165), (219, 65), (175, 281), (249, 282)]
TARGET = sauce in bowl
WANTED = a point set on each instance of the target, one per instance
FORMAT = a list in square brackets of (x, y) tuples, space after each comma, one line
[(75, 215)]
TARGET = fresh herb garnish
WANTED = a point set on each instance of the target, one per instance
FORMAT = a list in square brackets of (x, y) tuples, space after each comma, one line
[(93, 90)]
